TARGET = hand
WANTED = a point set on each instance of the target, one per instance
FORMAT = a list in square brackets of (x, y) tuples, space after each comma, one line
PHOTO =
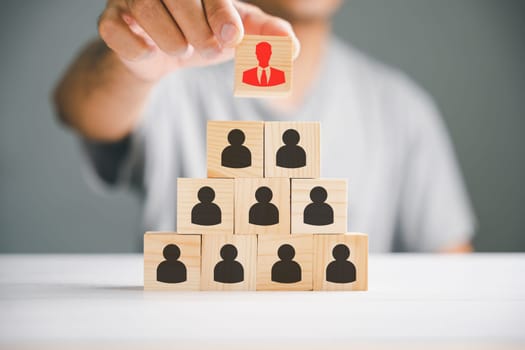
[(155, 37)]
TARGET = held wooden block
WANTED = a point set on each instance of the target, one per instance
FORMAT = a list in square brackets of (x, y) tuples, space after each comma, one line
[(229, 262), (172, 261), (291, 149), (341, 262), (285, 262), (262, 206), (263, 66), (319, 206), (205, 206), (235, 149)]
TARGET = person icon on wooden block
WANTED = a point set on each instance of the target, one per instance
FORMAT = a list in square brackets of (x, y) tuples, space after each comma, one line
[(286, 270), (341, 270), (263, 212), (206, 213), (291, 155), (171, 270), (263, 74), (236, 155), (228, 270), (318, 212)]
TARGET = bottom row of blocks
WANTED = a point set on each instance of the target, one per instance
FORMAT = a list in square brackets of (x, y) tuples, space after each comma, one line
[(250, 262)]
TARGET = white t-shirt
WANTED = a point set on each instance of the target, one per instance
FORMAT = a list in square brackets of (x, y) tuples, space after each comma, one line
[(378, 130)]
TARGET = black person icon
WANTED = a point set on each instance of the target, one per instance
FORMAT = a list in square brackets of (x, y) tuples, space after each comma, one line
[(236, 155), (228, 270), (171, 270), (341, 270), (263, 213), (286, 270), (291, 155), (318, 212), (206, 213)]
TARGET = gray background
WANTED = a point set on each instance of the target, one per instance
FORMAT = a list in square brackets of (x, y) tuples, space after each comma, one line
[(469, 54)]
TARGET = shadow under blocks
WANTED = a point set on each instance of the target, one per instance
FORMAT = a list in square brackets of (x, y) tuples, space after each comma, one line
[(262, 220)]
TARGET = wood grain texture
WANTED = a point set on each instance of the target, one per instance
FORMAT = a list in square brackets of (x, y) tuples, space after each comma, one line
[(323, 249), (337, 200), (245, 59), (309, 141), (190, 256), (217, 138), (246, 246), (187, 191), (267, 256), (245, 189)]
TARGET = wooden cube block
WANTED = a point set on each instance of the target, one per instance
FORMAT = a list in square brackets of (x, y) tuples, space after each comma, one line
[(229, 262), (205, 206), (235, 149), (172, 261), (341, 262), (263, 66), (291, 149), (285, 262), (262, 206), (319, 206)]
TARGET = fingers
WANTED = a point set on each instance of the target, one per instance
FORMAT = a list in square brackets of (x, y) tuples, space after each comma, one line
[(189, 15), (134, 28), (257, 22), (224, 21), (119, 37), (157, 22)]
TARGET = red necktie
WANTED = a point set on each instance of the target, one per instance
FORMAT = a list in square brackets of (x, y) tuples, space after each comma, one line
[(264, 79)]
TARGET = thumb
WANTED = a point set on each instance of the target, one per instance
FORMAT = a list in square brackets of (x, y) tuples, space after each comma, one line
[(257, 22)]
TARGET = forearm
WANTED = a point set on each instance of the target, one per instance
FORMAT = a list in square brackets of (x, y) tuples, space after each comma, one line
[(465, 247), (102, 98), (98, 96)]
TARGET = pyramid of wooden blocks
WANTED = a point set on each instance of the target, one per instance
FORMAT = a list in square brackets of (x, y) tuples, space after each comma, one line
[(262, 220)]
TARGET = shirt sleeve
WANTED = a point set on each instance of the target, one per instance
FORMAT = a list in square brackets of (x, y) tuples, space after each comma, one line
[(115, 164), (434, 210), (121, 163)]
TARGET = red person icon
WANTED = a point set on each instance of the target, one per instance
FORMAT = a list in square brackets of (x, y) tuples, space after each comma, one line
[(263, 74)]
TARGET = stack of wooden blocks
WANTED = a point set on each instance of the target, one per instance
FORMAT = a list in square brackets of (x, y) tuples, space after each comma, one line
[(262, 220)]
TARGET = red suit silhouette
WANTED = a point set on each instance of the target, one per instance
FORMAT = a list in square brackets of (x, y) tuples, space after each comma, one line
[(258, 76)]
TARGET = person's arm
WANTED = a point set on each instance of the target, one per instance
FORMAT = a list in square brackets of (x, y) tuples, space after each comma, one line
[(98, 96), (435, 213), (104, 91), (465, 247)]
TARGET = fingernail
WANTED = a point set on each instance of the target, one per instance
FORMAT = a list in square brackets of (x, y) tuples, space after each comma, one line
[(296, 47), (229, 33)]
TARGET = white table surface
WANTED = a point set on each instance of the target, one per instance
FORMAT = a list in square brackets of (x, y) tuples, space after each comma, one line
[(412, 299)]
